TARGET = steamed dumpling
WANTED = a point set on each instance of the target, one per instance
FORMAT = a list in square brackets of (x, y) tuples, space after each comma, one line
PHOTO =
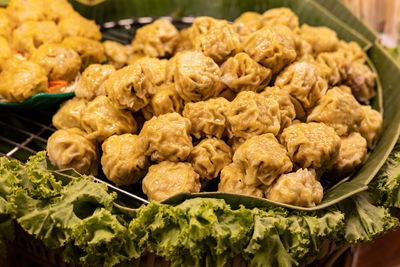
[(251, 114), (215, 38), (322, 39), (311, 145), (262, 159), (272, 46), (208, 118), (370, 126), (101, 119), (196, 76), (117, 54), (246, 24), (69, 115), (69, 148), (242, 73), (123, 159), (209, 157), (167, 137), (166, 179), (91, 83), (158, 39), (283, 15), (232, 181), (300, 188), (76, 25)]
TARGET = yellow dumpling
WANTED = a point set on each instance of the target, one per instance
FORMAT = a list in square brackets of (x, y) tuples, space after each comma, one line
[(208, 118), (311, 145), (215, 38), (166, 179), (59, 61), (69, 148), (251, 114), (283, 16), (262, 159), (158, 39), (371, 125), (304, 80), (123, 160), (91, 83), (300, 188), (5, 24), (196, 76), (242, 73), (339, 110), (22, 11), (232, 181), (76, 25), (165, 100), (272, 46), (69, 115), (101, 119), (322, 39), (116, 54), (167, 137), (246, 24), (30, 35), (21, 79), (90, 51), (361, 80), (209, 157)]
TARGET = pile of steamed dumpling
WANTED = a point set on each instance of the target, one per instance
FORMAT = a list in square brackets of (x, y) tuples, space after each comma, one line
[(45, 45), (263, 105)]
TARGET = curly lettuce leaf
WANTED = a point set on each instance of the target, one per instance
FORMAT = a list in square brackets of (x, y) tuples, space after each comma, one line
[(363, 220), (387, 181)]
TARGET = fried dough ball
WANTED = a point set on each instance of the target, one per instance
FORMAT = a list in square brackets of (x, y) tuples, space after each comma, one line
[(283, 16), (352, 153), (21, 79), (167, 137), (69, 148), (300, 188), (167, 179), (101, 119), (69, 114), (208, 118), (5, 24), (209, 157), (338, 65), (311, 145), (232, 181), (60, 62), (76, 25), (338, 109), (184, 42), (90, 51), (123, 160), (22, 11), (242, 73), (30, 35), (272, 46), (215, 38), (116, 54), (286, 107), (322, 39), (91, 83), (370, 125), (158, 39), (246, 24), (165, 100), (252, 114), (304, 80), (131, 86), (196, 76), (262, 159), (361, 80)]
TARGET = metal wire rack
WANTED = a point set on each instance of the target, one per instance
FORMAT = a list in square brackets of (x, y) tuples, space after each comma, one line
[(24, 132)]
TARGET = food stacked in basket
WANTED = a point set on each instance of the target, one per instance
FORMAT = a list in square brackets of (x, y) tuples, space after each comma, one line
[(248, 138)]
